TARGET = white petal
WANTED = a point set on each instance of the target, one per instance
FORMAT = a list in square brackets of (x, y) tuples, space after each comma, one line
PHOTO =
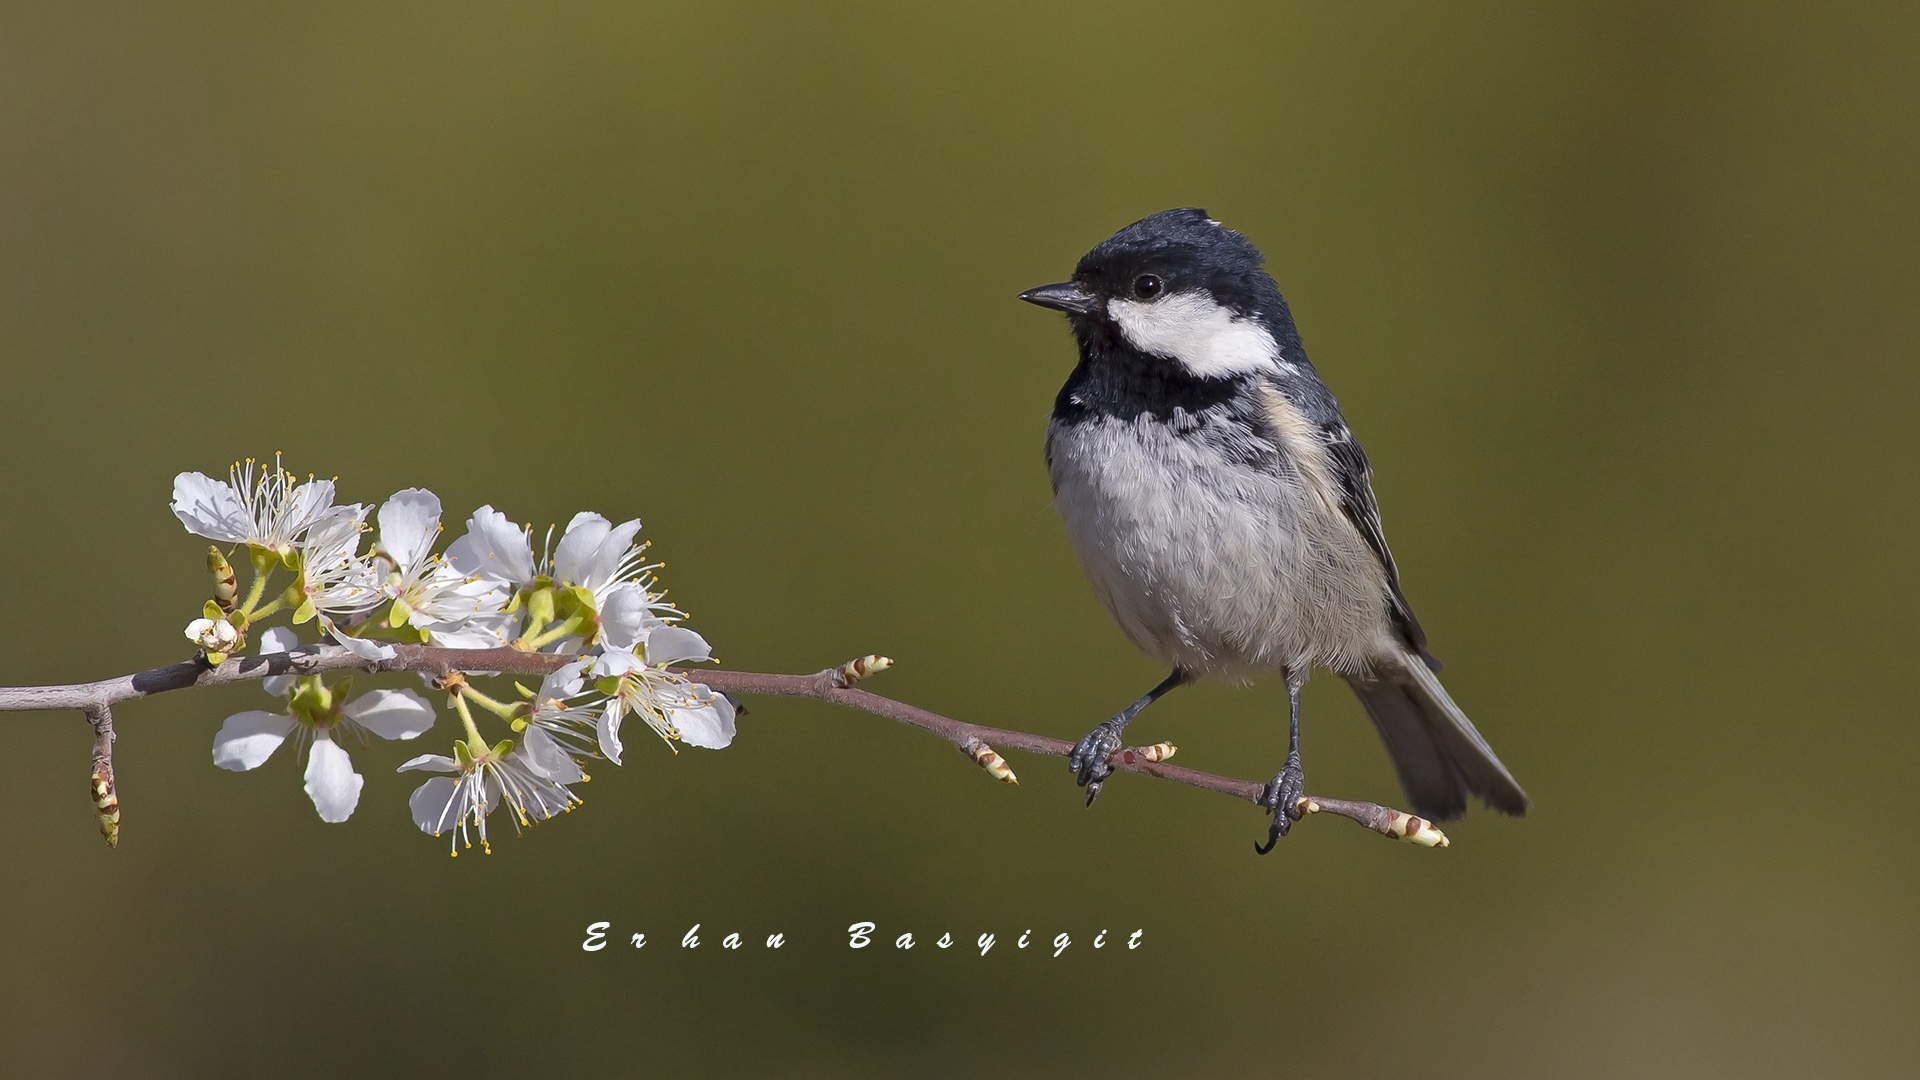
[(481, 633), (544, 756), (279, 639), (433, 807), (249, 738), (494, 548), (615, 662), (608, 557), (210, 508), (625, 617), (360, 647), (391, 714), (305, 505), (676, 644), (710, 726), (575, 554), (429, 763), (607, 727), (408, 524), (563, 683), (333, 538), (331, 782)]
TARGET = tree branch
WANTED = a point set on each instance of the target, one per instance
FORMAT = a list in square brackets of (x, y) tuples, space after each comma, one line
[(834, 685)]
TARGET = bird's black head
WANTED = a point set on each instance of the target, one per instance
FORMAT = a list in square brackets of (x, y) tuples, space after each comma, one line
[(1177, 286)]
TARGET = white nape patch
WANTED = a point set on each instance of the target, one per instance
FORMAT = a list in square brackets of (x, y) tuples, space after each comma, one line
[(1208, 339)]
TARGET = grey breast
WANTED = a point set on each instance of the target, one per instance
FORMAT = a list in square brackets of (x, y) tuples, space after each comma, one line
[(1212, 547)]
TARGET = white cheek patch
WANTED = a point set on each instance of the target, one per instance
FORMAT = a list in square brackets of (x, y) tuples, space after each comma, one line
[(1207, 339)]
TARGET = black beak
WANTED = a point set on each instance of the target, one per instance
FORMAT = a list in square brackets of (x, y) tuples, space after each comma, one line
[(1065, 296)]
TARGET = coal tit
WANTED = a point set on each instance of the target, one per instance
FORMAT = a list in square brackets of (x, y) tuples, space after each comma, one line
[(1223, 513)]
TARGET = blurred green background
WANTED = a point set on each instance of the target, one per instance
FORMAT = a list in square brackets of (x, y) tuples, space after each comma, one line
[(1621, 299)]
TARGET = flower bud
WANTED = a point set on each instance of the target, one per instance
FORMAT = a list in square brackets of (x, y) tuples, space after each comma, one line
[(225, 587), (213, 635), (106, 803), (987, 758)]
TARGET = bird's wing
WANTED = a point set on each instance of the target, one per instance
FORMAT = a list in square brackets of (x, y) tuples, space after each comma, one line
[(1352, 477), (1305, 414)]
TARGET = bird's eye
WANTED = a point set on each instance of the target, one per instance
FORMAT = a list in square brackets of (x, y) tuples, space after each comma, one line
[(1147, 286)]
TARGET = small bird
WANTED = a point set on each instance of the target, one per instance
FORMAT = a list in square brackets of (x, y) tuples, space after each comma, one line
[(1223, 511)]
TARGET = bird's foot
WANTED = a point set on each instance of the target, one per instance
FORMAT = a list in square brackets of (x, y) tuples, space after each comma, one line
[(1089, 757), (1282, 797)]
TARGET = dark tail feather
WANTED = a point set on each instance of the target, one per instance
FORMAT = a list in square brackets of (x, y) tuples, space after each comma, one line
[(1438, 755)]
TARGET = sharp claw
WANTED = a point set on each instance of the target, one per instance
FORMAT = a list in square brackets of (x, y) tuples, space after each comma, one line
[(1272, 839)]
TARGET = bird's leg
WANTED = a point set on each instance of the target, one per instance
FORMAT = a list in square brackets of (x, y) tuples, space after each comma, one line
[(1089, 757), (1282, 794)]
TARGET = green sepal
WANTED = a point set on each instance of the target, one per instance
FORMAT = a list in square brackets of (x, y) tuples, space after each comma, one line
[(216, 658), (583, 597), (261, 558), (609, 686), (290, 559), (424, 636), (304, 613), (462, 756), (311, 697), (343, 689), (398, 614), (539, 609), (502, 748), (519, 724), (513, 605), (524, 692), (212, 611)]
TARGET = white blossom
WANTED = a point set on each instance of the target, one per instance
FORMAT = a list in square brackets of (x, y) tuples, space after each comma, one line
[(265, 510), (531, 778), (670, 703), (594, 556), (313, 714), (335, 581), (558, 710), (456, 610)]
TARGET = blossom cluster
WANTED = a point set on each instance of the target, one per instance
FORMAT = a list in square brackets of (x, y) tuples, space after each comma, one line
[(591, 598)]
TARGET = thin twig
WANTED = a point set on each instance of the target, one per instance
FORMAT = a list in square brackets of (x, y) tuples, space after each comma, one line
[(832, 685)]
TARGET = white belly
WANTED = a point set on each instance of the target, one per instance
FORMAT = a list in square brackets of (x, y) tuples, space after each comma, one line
[(1211, 565)]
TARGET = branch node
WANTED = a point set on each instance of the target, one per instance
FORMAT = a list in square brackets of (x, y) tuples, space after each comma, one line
[(987, 758)]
